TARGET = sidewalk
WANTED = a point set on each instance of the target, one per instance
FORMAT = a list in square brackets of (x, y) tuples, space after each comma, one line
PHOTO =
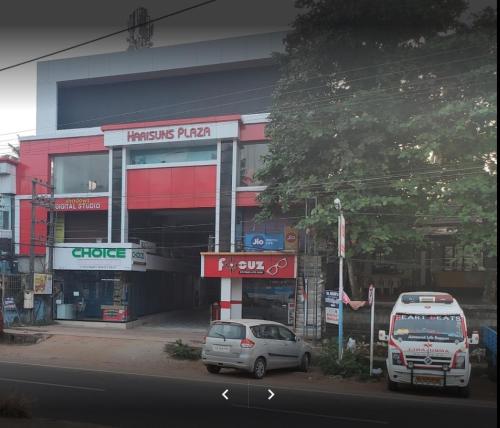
[(193, 336)]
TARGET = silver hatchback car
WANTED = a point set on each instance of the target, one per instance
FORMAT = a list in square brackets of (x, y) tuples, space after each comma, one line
[(254, 346)]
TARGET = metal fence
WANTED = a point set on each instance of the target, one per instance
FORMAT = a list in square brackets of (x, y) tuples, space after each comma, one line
[(12, 300)]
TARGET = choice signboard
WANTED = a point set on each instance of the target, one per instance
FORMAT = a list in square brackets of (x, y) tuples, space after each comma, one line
[(99, 257), (248, 265), (263, 242)]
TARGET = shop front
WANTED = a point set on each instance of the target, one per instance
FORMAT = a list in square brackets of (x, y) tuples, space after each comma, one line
[(107, 282), (259, 285)]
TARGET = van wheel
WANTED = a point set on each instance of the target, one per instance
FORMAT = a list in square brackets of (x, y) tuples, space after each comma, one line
[(391, 385), (464, 392), (213, 369), (305, 363), (259, 368)]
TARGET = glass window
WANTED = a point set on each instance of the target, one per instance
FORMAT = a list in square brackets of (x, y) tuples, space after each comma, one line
[(173, 155), (286, 334), (270, 332), (81, 173), (227, 331), (267, 299), (250, 160), (5, 208), (428, 328)]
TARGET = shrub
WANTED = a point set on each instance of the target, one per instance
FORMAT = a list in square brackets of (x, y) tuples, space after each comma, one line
[(353, 364), (15, 406), (182, 351)]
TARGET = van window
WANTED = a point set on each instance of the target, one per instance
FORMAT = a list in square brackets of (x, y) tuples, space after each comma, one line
[(227, 331), (424, 328)]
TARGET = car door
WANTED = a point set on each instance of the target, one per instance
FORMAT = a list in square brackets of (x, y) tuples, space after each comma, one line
[(272, 342), (290, 348)]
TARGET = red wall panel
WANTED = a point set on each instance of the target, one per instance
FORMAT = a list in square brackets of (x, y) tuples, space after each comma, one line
[(178, 187), (253, 132), (34, 159), (247, 199), (25, 229)]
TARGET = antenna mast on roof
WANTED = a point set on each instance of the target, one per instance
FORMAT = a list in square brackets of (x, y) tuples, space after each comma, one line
[(140, 36)]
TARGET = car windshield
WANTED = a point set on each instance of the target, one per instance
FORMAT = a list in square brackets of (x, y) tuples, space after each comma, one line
[(227, 331), (428, 328)]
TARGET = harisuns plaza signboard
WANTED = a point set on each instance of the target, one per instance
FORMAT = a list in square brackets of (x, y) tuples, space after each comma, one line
[(248, 265), (98, 256), (166, 134)]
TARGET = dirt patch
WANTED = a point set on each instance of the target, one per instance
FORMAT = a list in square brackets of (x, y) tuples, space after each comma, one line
[(22, 338)]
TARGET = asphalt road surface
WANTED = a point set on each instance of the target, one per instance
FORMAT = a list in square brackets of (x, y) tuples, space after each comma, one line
[(127, 400)]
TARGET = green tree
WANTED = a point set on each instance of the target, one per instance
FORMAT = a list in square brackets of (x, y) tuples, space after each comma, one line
[(389, 105)]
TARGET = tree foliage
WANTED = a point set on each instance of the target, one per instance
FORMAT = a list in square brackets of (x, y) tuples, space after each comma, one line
[(389, 105)]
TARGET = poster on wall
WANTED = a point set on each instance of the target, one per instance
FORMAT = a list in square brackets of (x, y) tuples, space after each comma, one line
[(332, 306), (42, 283), (291, 239), (263, 242), (59, 228)]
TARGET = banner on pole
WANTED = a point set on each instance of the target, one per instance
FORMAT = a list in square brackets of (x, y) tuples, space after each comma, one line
[(332, 307), (341, 236), (371, 294)]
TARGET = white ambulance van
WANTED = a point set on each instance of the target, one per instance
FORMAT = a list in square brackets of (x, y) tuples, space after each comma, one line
[(428, 343)]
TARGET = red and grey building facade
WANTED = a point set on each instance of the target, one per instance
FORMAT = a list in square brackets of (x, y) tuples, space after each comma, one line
[(152, 155)]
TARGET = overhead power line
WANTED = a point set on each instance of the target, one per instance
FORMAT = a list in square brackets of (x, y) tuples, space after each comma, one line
[(305, 79), (97, 39)]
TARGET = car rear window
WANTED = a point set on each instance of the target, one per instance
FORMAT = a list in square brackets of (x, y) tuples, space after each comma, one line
[(227, 331)]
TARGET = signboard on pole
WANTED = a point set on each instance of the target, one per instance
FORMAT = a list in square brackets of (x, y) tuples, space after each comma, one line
[(332, 307), (341, 236)]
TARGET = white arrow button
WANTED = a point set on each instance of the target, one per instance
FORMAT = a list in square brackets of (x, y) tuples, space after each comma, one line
[(271, 394), (224, 394)]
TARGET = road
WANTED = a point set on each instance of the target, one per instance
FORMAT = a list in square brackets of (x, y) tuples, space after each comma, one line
[(129, 400)]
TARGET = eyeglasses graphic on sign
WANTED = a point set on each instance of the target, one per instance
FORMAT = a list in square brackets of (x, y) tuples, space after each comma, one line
[(274, 269)]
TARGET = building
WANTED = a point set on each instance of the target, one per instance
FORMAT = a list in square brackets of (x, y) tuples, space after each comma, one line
[(152, 154), (8, 167)]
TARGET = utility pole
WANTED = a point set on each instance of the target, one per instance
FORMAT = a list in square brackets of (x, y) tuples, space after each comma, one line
[(341, 245), (45, 200)]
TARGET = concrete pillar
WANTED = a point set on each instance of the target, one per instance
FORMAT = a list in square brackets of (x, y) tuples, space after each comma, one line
[(225, 299), (231, 296), (236, 298)]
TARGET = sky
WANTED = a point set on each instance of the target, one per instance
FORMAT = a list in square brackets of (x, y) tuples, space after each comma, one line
[(29, 28), (32, 28)]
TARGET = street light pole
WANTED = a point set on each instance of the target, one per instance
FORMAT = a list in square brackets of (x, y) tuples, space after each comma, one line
[(341, 253)]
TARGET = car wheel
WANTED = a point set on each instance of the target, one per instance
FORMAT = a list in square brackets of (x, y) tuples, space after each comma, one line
[(213, 369), (305, 363), (464, 392), (259, 368), (391, 385)]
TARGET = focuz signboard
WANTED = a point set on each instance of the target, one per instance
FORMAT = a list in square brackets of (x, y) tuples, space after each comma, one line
[(248, 265)]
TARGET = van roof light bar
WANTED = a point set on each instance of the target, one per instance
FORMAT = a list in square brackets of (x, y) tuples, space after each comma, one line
[(427, 298)]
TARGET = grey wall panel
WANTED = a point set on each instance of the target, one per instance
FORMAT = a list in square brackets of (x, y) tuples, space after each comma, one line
[(180, 59), (197, 95)]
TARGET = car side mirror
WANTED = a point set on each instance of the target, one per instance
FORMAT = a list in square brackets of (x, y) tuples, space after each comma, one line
[(296, 339), (382, 336), (474, 340)]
